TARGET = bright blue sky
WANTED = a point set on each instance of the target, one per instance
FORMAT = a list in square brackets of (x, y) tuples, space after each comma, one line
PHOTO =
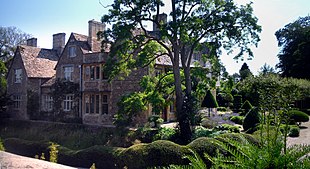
[(42, 19)]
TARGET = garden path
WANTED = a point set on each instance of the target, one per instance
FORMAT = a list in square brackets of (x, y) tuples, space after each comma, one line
[(304, 135)]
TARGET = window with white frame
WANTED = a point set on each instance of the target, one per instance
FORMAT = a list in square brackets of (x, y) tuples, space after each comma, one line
[(72, 51), (48, 102), (68, 102), (68, 70), (18, 76), (17, 101)]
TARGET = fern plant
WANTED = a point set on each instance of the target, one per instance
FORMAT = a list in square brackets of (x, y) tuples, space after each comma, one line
[(248, 155)]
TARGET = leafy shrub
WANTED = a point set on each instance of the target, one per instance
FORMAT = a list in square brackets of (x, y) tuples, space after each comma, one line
[(237, 119), (299, 116), (156, 120), (237, 102), (165, 133), (207, 123), (251, 120), (294, 132), (222, 109), (228, 127), (53, 152), (204, 132), (157, 153), (239, 137), (283, 126), (204, 145), (1, 145), (145, 134)]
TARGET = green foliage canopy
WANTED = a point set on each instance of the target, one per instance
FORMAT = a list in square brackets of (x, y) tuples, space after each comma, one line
[(279, 90), (191, 26), (10, 37), (294, 39)]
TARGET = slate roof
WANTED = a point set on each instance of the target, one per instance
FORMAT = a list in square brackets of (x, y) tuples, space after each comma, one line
[(38, 62)]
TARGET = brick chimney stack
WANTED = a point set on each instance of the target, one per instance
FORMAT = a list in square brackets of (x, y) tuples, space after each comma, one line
[(93, 28), (32, 42), (59, 41)]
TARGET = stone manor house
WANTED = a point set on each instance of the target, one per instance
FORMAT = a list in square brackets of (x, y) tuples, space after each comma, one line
[(78, 62)]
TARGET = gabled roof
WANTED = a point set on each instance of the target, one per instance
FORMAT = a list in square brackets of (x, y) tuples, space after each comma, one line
[(38, 62), (82, 41), (50, 82)]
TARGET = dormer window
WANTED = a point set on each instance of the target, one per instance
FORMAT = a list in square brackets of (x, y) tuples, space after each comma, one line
[(72, 51), (18, 76)]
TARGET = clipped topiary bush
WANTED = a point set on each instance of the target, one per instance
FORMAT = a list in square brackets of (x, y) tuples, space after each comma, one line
[(240, 137), (208, 123), (237, 119), (102, 156), (246, 106), (26, 148), (251, 120), (228, 127), (157, 153), (205, 145), (298, 116), (294, 132)]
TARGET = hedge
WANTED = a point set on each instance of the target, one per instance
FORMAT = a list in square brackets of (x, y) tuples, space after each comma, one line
[(157, 153), (205, 145), (237, 119), (102, 156), (298, 116)]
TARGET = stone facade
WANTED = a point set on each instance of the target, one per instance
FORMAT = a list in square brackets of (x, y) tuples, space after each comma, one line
[(80, 61), (30, 68)]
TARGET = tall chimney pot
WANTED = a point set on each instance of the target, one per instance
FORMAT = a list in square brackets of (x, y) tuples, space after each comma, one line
[(59, 42), (93, 28), (32, 42)]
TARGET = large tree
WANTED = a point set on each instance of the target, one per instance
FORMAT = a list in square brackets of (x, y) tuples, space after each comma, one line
[(191, 25), (294, 40), (10, 37)]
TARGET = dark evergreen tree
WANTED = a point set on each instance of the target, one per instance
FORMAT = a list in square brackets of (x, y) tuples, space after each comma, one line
[(209, 101), (294, 40), (245, 71)]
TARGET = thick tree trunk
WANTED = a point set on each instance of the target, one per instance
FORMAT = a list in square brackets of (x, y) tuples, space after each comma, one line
[(181, 106)]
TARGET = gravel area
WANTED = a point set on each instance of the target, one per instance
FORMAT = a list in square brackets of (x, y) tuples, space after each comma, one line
[(304, 135), (12, 161)]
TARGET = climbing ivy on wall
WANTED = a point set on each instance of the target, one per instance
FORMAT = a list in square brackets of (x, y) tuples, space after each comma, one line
[(59, 91)]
